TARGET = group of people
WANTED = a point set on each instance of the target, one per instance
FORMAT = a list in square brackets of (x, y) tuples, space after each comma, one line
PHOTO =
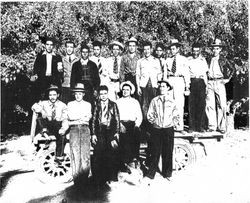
[(121, 97)]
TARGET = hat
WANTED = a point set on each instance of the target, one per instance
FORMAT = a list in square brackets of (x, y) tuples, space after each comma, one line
[(116, 43), (79, 87), (53, 87), (132, 39), (161, 78), (217, 43), (175, 42), (129, 84), (97, 43)]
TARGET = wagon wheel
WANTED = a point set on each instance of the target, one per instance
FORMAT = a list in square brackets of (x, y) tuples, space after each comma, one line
[(183, 154), (48, 171)]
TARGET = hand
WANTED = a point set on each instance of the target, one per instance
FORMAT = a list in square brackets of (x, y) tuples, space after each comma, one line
[(187, 92), (224, 81), (114, 144), (59, 66), (95, 93), (123, 129), (61, 132), (139, 91), (94, 139), (116, 136), (33, 78)]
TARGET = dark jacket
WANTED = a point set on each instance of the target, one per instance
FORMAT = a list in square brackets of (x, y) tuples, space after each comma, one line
[(77, 73), (226, 67), (113, 123), (40, 67)]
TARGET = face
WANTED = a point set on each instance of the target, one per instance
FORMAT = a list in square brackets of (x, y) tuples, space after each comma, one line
[(126, 91), (49, 46), (158, 52), (97, 51), (147, 51), (163, 88), (131, 47), (103, 95), (85, 54), (174, 50), (216, 51), (69, 48), (196, 52), (79, 96), (116, 50), (53, 96)]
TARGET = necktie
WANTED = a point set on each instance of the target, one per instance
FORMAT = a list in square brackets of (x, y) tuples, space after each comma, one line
[(99, 66), (70, 59), (163, 108), (162, 69), (104, 111), (115, 66), (174, 66), (53, 115)]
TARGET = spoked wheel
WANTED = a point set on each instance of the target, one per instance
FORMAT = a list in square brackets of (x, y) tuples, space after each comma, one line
[(183, 154), (48, 171)]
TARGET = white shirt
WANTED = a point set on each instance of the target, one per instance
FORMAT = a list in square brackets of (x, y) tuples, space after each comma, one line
[(147, 68), (214, 69), (129, 110), (49, 64), (79, 112), (84, 62), (198, 67), (110, 67)]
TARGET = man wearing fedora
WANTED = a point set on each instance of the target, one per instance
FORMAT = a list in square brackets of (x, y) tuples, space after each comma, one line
[(79, 115), (99, 61), (163, 116), (52, 119), (113, 69), (129, 61), (197, 99), (131, 119), (68, 61), (179, 77), (47, 69), (219, 73), (105, 130), (85, 71)]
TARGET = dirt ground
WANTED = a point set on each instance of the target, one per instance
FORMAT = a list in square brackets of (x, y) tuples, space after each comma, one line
[(221, 176)]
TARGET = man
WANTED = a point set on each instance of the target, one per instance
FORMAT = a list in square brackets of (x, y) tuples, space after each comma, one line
[(52, 119), (128, 63), (159, 49), (68, 61), (197, 99), (113, 69), (47, 70), (163, 116), (131, 119), (85, 71), (104, 137), (219, 73), (99, 61), (79, 115), (179, 77), (147, 71)]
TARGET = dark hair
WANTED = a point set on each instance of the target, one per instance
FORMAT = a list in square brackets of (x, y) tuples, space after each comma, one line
[(147, 43), (69, 42), (84, 46), (127, 85), (97, 44), (159, 45), (196, 45), (103, 87), (49, 39)]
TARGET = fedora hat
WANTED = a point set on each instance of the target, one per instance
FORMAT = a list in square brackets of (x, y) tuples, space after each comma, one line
[(116, 43), (79, 87), (161, 78), (54, 87), (175, 42), (130, 84), (132, 39), (217, 43)]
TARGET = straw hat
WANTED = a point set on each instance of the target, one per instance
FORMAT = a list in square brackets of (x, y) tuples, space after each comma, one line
[(79, 87), (130, 84), (116, 43)]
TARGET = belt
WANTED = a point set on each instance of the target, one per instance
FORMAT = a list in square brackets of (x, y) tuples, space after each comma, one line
[(79, 125), (175, 76), (114, 80), (213, 79)]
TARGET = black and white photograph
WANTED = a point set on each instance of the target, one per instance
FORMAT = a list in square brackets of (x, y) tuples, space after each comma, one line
[(124, 101)]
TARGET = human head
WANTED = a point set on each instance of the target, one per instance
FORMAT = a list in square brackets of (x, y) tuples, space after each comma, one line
[(70, 46), (103, 93), (164, 87), (217, 47), (79, 91), (147, 48), (49, 44), (97, 46), (196, 49), (127, 88), (132, 45), (116, 48), (174, 47), (159, 48), (85, 51), (54, 93)]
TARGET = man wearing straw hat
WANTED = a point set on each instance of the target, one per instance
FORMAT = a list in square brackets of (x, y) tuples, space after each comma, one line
[(178, 73), (79, 115), (220, 72), (113, 69)]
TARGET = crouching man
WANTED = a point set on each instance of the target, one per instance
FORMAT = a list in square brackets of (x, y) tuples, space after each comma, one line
[(52, 119), (105, 137), (79, 115), (162, 114)]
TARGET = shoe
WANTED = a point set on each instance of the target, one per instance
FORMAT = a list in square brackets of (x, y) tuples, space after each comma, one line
[(58, 161), (222, 131), (210, 130), (169, 178)]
